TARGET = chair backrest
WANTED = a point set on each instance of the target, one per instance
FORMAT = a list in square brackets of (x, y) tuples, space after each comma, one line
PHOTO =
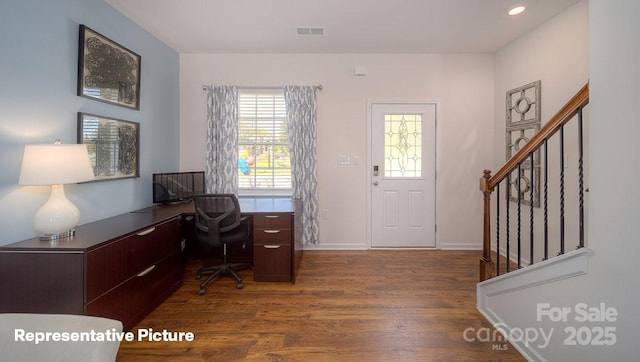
[(215, 213)]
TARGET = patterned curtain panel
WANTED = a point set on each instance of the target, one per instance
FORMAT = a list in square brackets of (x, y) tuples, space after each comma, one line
[(301, 113), (222, 140)]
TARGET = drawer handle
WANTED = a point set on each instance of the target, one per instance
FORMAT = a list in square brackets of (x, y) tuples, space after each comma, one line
[(272, 216), (146, 271), (146, 232), (271, 231), (272, 246)]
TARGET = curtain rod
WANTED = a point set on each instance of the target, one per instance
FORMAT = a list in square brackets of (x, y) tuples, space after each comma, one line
[(319, 87)]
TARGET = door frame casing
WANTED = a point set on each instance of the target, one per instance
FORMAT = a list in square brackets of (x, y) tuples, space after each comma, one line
[(370, 104)]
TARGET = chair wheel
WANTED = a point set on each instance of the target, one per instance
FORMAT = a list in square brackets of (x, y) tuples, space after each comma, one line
[(201, 292), (198, 276), (240, 285)]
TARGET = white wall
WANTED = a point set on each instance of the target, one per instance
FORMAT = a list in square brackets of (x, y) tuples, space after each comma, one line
[(615, 196), (614, 199), (463, 84), (555, 53)]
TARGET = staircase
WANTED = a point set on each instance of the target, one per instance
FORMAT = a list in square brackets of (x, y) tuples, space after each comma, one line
[(522, 234), (533, 246)]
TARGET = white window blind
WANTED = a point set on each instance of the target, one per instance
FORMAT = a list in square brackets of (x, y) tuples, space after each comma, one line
[(263, 142)]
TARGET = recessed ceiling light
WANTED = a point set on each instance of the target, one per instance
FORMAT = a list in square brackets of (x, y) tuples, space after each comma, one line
[(517, 10)]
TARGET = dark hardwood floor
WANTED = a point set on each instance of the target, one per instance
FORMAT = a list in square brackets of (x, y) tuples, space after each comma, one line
[(377, 305)]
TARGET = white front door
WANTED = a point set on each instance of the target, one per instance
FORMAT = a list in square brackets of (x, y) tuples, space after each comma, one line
[(402, 174)]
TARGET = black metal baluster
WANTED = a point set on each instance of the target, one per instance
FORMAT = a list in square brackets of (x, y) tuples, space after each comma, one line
[(519, 216), (508, 223), (531, 185), (546, 201), (498, 229), (561, 190), (580, 179)]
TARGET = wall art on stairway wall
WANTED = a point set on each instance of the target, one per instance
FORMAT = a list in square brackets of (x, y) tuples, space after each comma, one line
[(523, 121)]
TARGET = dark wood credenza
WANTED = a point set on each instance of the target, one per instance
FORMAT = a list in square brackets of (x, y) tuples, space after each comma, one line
[(123, 267)]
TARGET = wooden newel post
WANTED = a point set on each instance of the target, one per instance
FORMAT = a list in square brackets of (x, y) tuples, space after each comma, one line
[(486, 264)]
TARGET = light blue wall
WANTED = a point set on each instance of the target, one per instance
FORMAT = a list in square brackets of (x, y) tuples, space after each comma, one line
[(38, 103)]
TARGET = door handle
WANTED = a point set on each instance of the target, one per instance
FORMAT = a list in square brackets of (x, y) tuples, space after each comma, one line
[(146, 232), (146, 271)]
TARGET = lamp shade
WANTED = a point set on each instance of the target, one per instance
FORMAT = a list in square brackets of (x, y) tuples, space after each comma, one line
[(55, 164)]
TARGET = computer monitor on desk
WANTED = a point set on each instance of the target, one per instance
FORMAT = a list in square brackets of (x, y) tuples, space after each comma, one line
[(175, 187)]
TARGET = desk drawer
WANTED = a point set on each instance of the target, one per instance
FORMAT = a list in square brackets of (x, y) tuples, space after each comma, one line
[(272, 236), (272, 263), (272, 221)]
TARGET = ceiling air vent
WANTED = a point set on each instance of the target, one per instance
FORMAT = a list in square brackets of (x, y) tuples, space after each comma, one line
[(310, 30)]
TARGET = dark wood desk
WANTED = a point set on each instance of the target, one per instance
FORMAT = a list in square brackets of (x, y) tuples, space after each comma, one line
[(276, 238), (124, 266), (248, 205)]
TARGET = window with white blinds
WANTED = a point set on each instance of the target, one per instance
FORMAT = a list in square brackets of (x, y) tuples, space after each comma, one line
[(263, 142)]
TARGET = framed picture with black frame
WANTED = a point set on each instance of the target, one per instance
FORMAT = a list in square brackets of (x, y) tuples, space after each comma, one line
[(107, 71), (113, 145)]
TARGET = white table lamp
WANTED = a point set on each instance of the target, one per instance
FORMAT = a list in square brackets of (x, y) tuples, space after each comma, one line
[(56, 164)]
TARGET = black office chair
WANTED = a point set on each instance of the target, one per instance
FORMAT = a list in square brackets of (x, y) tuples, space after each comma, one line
[(218, 223)]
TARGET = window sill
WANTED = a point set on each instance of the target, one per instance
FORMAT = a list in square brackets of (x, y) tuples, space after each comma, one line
[(265, 193)]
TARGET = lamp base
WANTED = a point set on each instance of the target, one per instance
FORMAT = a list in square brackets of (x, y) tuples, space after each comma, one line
[(57, 218), (58, 236)]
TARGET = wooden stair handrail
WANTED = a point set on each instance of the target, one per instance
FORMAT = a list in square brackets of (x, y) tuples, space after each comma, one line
[(563, 116)]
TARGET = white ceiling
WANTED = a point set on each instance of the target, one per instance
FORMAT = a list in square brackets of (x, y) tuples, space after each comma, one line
[(350, 26)]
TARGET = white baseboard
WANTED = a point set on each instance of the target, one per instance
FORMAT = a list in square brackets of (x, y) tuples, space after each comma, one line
[(459, 246), (364, 246), (336, 246)]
